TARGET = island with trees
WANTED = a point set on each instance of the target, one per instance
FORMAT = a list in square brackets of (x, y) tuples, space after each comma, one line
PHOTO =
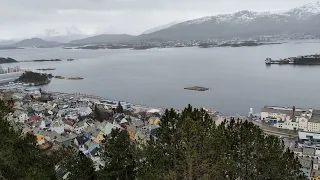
[(233, 44), (34, 78), (7, 60)]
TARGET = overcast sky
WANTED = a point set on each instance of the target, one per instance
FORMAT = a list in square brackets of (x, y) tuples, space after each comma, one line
[(29, 18)]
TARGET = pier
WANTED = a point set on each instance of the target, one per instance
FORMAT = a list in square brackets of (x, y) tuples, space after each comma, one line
[(299, 60)]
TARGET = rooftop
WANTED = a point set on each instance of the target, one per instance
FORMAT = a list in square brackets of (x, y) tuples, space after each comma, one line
[(315, 118), (308, 151), (282, 110), (306, 163)]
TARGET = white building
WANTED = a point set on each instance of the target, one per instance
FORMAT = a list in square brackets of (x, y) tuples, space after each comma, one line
[(282, 117), (292, 118), (84, 111), (280, 113), (314, 121), (303, 123), (287, 125), (23, 118), (309, 136)]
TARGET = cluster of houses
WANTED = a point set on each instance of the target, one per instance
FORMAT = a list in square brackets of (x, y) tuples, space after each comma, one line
[(67, 120), (307, 123), (307, 120), (307, 149)]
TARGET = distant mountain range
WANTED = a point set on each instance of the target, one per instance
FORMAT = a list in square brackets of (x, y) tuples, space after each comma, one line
[(64, 38), (37, 42), (301, 20), (65, 35), (7, 60), (7, 42), (105, 38), (158, 28), (304, 19)]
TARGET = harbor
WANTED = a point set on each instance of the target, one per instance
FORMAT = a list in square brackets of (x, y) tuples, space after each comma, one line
[(299, 60)]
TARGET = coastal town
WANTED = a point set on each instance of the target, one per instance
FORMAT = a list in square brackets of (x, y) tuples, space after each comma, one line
[(82, 121), (71, 120), (146, 90)]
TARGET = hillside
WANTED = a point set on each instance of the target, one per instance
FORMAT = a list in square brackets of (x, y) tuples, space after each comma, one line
[(37, 42), (304, 19), (7, 60), (158, 28), (104, 38)]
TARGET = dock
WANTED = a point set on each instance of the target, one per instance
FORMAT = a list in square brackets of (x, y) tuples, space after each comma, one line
[(299, 60)]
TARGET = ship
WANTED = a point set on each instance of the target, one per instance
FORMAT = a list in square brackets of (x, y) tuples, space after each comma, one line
[(308, 60), (269, 61), (299, 60)]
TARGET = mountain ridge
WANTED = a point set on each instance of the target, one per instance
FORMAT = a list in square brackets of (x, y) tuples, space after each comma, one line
[(302, 19), (105, 38), (38, 42), (157, 28)]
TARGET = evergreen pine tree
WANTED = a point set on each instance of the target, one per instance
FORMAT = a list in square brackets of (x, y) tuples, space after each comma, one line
[(119, 108), (20, 157), (119, 156), (78, 166), (97, 113), (190, 146)]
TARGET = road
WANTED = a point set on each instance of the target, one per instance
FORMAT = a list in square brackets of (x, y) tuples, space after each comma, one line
[(267, 129)]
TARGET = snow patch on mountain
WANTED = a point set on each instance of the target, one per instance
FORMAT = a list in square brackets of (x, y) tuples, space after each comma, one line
[(243, 17), (305, 11)]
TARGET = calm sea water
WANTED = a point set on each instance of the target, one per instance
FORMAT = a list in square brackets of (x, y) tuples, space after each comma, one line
[(238, 77)]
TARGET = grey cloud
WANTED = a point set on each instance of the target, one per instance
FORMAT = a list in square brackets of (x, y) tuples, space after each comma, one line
[(28, 18), (206, 5)]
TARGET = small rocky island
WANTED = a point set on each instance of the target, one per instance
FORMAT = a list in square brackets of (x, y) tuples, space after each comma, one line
[(7, 60), (197, 88), (59, 77), (75, 78), (45, 60), (33, 78), (47, 69)]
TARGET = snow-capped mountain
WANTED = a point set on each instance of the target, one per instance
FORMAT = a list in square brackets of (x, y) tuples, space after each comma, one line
[(62, 34), (302, 12), (303, 19)]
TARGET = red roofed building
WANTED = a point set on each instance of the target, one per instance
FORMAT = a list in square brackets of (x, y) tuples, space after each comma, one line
[(34, 118), (70, 122)]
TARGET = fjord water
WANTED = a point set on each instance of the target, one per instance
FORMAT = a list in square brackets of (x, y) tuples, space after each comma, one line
[(237, 77)]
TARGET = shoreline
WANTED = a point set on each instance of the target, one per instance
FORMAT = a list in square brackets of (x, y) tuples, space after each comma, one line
[(137, 105), (96, 97)]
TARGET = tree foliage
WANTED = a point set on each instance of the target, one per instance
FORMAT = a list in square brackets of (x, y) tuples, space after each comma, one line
[(190, 146), (97, 114), (33, 77), (119, 156), (78, 166), (119, 108), (20, 157)]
